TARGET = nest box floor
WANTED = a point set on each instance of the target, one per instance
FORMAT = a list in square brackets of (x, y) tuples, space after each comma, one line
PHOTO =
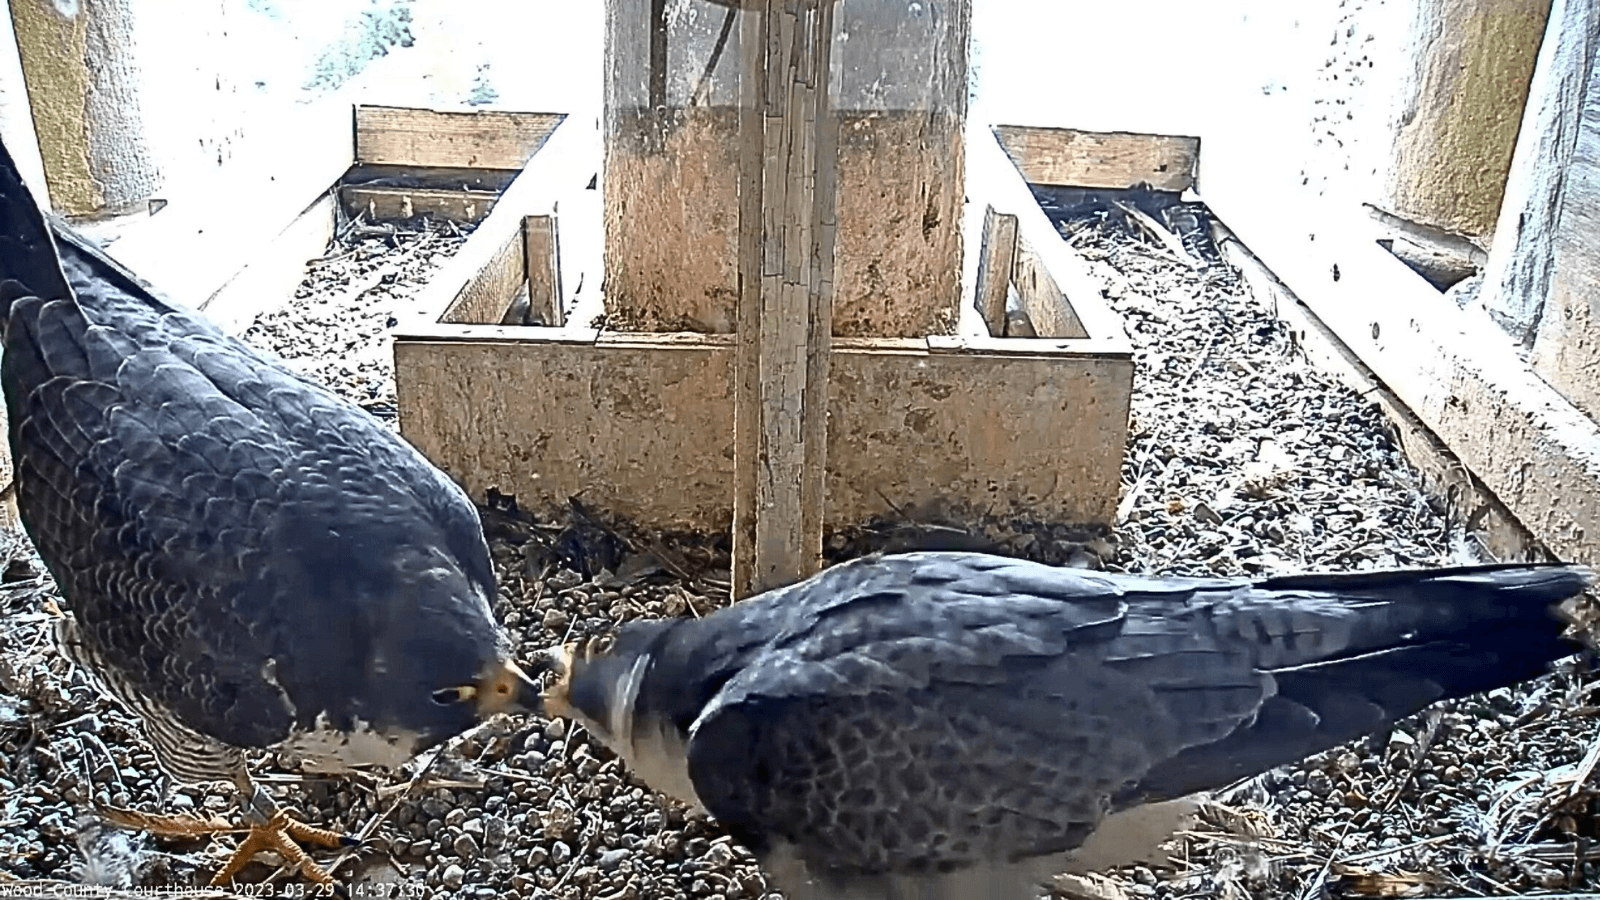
[(1242, 459)]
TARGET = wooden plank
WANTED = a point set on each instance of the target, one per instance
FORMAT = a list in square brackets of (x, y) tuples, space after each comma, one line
[(381, 204), (269, 280), (1060, 296), (1048, 308), (996, 260), (788, 164), (182, 251), (1453, 368), (1115, 160), (541, 249), (642, 425), (482, 279), (483, 300), (476, 139)]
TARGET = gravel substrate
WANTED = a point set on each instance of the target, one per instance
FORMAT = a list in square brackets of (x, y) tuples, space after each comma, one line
[(337, 329), (1242, 459)]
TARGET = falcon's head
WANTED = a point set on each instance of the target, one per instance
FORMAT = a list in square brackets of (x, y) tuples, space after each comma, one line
[(418, 659), (633, 693), (459, 667)]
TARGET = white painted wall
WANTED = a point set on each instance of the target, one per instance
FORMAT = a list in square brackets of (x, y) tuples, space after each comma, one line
[(222, 75)]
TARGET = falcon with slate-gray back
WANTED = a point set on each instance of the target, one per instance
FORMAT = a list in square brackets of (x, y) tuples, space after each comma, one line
[(250, 562), (956, 725)]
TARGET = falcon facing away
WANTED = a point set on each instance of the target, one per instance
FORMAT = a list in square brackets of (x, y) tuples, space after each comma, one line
[(955, 725), (250, 561)]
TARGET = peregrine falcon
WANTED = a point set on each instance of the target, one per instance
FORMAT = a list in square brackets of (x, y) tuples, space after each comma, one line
[(952, 725), (250, 562)]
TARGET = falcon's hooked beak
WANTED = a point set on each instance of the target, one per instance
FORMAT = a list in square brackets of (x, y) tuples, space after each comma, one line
[(506, 688), (558, 659)]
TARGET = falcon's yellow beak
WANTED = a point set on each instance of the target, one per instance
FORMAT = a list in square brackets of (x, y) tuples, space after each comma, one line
[(558, 659), (506, 688)]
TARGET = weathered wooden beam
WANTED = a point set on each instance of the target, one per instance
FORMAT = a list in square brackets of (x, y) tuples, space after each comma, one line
[(788, 164), (82, 73), (1470, 62), (482, 300), (1058, 294), (479, 139), (269, 279), (541, 249), (1566, 345), (1113, 160), (1456, 371), (996, 260), (1048, 308), (642, 424), (478, 283), (277, 177), (379, 203), (1443, 475)]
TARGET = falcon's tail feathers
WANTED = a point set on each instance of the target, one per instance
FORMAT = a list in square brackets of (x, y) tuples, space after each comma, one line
[(1389, 644), (1302, 620), (29, 265)]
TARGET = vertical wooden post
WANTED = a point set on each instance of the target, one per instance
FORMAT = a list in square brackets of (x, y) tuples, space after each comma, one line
[(787, 224), (996, 259), (1521, 269), (541, 253)]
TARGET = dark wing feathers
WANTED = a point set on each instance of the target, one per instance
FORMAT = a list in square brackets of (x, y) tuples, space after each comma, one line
[(929, 711), (202, 506)]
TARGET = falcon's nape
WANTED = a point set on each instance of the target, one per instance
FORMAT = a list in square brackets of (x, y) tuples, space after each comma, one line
[(951, 725), (249, 561)]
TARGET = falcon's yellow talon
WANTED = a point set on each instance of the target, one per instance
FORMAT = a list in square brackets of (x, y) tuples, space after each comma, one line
[(280, 833)]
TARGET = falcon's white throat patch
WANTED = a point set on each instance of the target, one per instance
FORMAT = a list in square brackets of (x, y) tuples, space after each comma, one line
[(653, 750), (327, 750)]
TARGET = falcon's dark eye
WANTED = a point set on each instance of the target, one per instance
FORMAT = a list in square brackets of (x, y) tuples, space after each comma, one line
[(459, 694)]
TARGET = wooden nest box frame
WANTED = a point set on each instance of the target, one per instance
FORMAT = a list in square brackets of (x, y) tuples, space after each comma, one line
[(806, 261)]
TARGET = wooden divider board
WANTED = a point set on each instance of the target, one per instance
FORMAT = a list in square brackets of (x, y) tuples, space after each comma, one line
[(642, 424), (472, 139), (1111, 160), (1456, 370), (380, 203)]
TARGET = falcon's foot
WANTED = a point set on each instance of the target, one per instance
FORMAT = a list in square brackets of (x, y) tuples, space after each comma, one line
[(285, 835), (270, 829)]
